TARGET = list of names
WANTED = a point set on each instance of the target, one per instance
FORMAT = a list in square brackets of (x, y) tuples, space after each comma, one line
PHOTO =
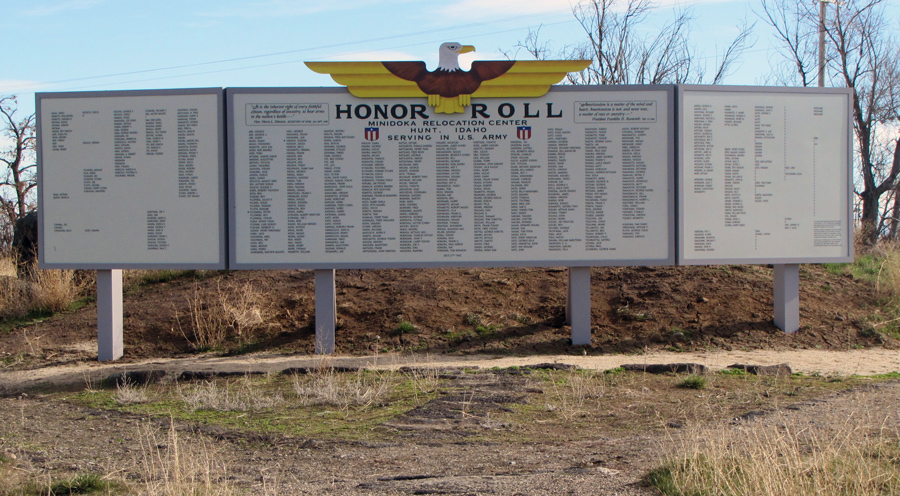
[(132, 180), (409, 189), (764, 176)]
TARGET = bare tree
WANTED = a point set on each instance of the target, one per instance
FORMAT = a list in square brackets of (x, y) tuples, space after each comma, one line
[(796, 29), (861, 49), (621, 54), (17, 157)]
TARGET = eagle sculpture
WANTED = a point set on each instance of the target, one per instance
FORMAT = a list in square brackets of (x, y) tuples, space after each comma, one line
[(449, 89)]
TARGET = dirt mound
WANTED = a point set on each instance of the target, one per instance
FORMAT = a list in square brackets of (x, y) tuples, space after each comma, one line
[(505, 311)]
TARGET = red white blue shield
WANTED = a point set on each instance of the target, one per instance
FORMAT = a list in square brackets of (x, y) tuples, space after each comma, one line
[(523, 132), (371, 134)]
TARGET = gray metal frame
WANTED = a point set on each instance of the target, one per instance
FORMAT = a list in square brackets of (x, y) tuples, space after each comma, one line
[(681, 90), (223, 232), (670, 200)]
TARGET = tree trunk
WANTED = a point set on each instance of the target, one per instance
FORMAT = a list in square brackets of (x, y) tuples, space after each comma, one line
[(869, 217)]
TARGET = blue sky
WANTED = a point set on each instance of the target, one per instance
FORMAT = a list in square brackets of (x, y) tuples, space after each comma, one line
[(81, 45)]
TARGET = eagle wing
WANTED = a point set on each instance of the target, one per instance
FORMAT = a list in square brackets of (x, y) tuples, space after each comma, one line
[(410, 71), (528, 78), (490, 69), (499, 78), (374, 79)]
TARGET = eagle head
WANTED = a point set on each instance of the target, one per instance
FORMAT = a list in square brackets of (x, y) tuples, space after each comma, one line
[(449, 55)]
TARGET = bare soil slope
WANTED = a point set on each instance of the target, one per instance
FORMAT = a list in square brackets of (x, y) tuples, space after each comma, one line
[(505, 311), (468, 438)]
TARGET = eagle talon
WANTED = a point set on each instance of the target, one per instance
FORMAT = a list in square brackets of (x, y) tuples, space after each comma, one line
[(448, 105)]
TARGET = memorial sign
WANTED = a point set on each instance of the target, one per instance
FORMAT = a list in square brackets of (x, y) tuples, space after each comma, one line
[(132, 179), (322, 179), (764, 175), (409, 168)]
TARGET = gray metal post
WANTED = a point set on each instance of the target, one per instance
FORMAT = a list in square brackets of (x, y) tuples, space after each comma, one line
[(569, 297), (787, 297), (578, 304), (109, 315), (326, 310)]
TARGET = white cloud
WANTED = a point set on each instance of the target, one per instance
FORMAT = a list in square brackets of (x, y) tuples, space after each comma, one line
[(376, 56), (430, 58), (273, 8), (291, 8), (60, 7), (694, 3), (480, 9), (17, 86)]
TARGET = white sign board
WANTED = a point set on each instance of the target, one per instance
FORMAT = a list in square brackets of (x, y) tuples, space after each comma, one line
[(131, 179), (321, 179), (764, 175)]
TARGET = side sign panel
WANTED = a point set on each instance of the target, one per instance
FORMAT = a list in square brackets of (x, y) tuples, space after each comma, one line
[(764, 175), (132, 179)]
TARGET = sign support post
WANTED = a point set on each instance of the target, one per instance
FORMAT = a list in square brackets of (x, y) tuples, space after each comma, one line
[(787, 297), (109, 315), (578, 305), (124, 179), (326, 311), (783, 188)]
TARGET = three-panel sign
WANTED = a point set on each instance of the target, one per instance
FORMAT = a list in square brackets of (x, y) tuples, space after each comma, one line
[(319, 178)]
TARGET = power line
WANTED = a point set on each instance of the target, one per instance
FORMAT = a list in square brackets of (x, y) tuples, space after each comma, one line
[(288, 52), (554, 12), (294, 61)]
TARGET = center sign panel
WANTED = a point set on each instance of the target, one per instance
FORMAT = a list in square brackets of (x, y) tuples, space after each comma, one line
[(578, 177)]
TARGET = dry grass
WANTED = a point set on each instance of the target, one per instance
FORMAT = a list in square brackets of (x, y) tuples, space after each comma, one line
[(242, 395), (15, 298), (204, 326), (234, 312), (44, 290), (424, 381), (10, 478), (880, 264), (168, 464), (325, 387), (171, 466), (835, 454), (128, 393), (7, 265), (577, 394), (57, 289), (888, 283)]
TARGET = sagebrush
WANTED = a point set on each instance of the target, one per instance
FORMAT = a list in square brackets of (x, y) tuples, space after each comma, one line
[(40, 291)]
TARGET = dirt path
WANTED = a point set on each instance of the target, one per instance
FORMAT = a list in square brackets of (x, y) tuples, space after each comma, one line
[(46, 435), (53, 437), (844, 363)]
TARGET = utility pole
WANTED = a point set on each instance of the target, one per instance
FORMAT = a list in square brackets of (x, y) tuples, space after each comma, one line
[(822, 43), (822, 39), (787, 276)]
